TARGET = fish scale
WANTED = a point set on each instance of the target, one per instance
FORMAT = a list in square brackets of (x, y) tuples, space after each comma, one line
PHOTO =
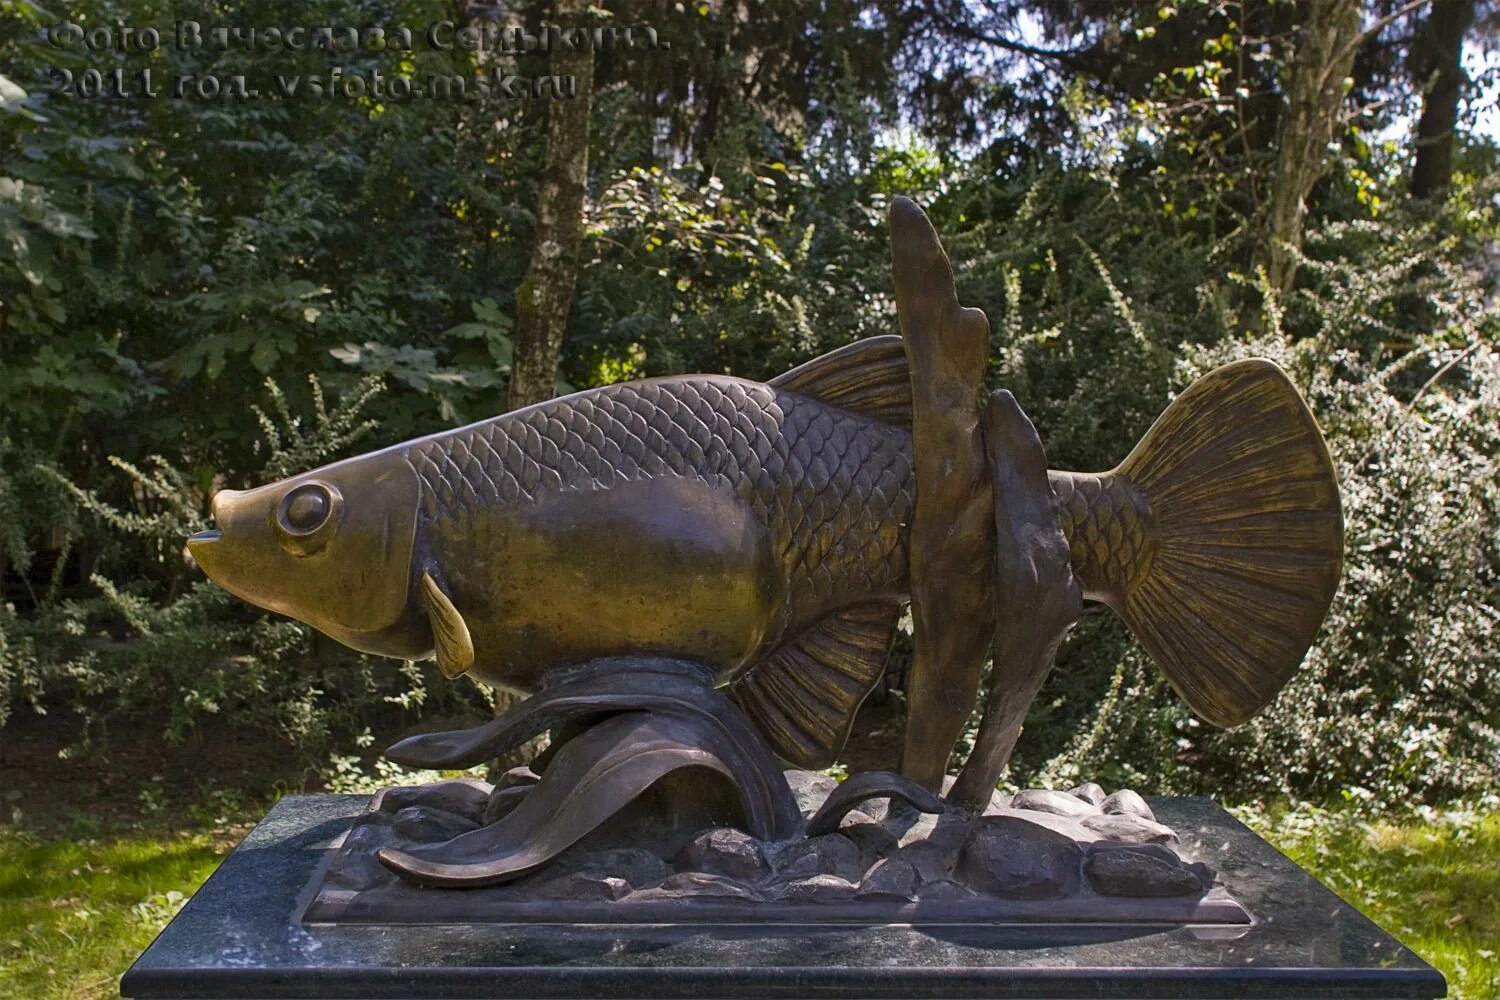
[(1110, 531), (834, 490)]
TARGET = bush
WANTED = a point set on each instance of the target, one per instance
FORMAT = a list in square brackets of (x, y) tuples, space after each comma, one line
[(173, 646), (1400, 696)]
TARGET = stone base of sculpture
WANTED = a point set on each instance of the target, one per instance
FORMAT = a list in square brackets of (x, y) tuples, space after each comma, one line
[(1040, 856), (246, 933)]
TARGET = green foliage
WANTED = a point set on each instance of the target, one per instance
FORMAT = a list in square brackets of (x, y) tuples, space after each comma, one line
[(147, 286), (170, 643), (1399, 696), (331, 434), (750, 270)]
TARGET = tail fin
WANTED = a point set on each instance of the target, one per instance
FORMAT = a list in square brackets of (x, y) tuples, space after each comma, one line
[(1219, 539)]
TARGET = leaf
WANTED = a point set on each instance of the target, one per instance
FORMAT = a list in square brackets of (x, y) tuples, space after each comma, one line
[(263, 355), (468, 331), (486, 311), (502, 350), (60, 223), (12, 96)]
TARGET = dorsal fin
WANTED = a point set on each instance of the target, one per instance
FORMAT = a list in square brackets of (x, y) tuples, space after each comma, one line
[(869, 377), (804, 695)]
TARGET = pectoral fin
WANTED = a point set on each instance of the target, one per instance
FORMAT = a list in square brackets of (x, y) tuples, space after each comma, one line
[(450, 636)]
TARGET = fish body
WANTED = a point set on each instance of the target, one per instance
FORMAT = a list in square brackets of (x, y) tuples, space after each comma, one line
[(761, 529), (699, 516), (705, 517)]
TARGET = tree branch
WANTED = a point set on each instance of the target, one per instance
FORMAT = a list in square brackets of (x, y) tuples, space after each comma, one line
[(1380, 25), (1064, 57)]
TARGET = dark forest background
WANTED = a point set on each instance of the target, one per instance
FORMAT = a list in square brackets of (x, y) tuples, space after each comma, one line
[(201, 293)]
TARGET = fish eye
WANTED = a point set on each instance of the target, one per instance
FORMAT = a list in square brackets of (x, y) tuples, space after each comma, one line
[(305, 508), (305, 517)]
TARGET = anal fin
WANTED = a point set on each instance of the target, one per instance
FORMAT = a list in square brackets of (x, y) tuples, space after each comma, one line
[(803, 697)]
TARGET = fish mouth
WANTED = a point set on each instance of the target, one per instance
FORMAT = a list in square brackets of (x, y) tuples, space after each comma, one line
[(202, 538), (210, 552)]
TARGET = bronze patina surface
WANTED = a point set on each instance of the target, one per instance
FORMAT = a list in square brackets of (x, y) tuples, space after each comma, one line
[(953, 527), (1009, 861), (710, 518), (764, 536)]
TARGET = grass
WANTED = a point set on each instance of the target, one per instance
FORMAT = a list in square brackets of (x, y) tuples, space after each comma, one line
[(76, 913), (80, 904), (1432, 878)]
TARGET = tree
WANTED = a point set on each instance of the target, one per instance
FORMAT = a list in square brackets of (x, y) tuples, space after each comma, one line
[(1320, 65), (1437, 61), (546, 295)]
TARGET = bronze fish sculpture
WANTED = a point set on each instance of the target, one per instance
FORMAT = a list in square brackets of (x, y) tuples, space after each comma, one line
[(761, 529)]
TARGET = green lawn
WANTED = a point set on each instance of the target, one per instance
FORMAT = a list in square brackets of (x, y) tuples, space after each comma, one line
[(75, 913), (77, 910), (1432, 879)]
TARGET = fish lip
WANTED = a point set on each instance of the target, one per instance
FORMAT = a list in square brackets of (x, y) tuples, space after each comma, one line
[(203, 538)]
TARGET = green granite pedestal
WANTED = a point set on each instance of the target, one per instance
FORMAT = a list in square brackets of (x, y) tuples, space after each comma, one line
[(243, 935)]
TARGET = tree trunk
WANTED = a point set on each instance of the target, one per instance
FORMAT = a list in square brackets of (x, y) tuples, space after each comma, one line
[(1313, 117), (1439, 72), (546, 295)]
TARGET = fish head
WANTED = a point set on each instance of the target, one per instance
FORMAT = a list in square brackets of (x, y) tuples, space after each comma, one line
[(331, 547)]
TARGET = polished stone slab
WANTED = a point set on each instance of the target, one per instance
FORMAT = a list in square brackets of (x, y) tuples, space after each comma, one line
[(241, 936)]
